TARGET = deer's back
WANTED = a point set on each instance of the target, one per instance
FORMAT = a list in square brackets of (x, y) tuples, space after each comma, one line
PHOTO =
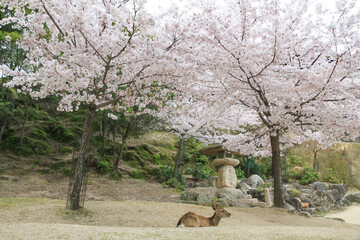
[(191, 219)]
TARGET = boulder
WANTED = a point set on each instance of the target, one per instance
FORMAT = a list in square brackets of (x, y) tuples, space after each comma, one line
[(355, 197), (200, 195), (253, 181), (289, 207), (231, 202), (342, 188), (202, 184), (243, 186), (295, 202), (319, 186), (227, 177), (231, 193), (225, 161), (344, 202), (213, 181)]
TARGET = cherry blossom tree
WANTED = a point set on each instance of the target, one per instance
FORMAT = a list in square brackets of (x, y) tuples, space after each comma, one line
[(281, 71), (102, 53)]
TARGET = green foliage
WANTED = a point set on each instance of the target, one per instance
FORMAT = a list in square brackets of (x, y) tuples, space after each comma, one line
[(104, 166), (330, 177), (40, 147), (116, 175), (66, 171), (66, 150), (239, 173), (62, 134), (309, 175), (172, 182), (201, 171), (165, 172), (39, 133), (139, 174), (260, 192), (294, 193)]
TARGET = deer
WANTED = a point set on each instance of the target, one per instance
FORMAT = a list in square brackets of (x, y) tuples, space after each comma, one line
[(191, 219)]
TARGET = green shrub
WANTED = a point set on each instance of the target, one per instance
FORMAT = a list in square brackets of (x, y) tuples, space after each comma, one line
[(23, 150), (172, 182), (165, 172), (294, 193), (260, 192), (104, 166), (62, 134), (201, 171), (40, 147), (39, 133), (139, 174), (309, 175), (66, 171), (65, 150), (116, 175), (239, 173), (330, 177)]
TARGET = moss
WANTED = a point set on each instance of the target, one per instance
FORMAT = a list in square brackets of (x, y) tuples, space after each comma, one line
[(66, 150), (39, 133), (139, 174), (40, 147)]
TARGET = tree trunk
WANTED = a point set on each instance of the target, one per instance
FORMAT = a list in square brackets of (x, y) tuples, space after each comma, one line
[(80, 165), (120, 155), (315, 161), (2, 130), (179, 159), (114, 140), (276, 167), (102, 130), (23, 129)]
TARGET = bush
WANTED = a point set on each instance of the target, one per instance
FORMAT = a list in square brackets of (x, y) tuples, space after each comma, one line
[(104, 166), (309, 175), (40, 147), (62, 134), (172, 182), (39, 133), (294, 193), (165, 172), (66, 171), (139, 174), (330, 177), (239, 173), (201, 171), (116, 175), (65, 150)]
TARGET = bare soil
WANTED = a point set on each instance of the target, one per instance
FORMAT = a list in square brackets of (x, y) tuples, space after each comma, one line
[(33, 207)]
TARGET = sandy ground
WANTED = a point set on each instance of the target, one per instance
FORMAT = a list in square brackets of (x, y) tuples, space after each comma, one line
[(350, 214), (34, 208)]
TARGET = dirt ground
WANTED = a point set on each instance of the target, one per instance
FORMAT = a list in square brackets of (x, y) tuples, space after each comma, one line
[(33, 207)]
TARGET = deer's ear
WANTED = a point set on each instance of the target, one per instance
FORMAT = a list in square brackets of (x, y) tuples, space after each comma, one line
[(215, 206)]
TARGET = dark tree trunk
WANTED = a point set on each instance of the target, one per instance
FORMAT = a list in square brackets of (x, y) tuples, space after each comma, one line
[(80, 165), (276, 167), (120, 155), (52, 109), (102, 125), (2, 130), (114, 139), (22, 134), (315, 165), (179, 159)]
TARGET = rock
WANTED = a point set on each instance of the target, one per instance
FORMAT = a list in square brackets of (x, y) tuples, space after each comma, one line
[(268, 198), (322, 209), (202, 184), (319, 186), (289, 207), (344, 202), (253, 181), (309, 210), (225, 161), (355, 197), (305, 214), (213, 180), (336, 194), (253, 202), (342, 188), (243, 186), (229, 192), (227, 177), (231, 202), (200, 195), (295, 202), (322, 198)]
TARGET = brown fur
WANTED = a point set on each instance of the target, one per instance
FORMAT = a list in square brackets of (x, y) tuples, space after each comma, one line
[(191, 219)]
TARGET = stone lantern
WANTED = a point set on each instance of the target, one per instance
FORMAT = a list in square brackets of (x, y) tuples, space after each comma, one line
[(224, 164)]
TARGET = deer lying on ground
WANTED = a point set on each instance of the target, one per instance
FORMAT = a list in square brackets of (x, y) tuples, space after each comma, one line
[(191, 219)]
